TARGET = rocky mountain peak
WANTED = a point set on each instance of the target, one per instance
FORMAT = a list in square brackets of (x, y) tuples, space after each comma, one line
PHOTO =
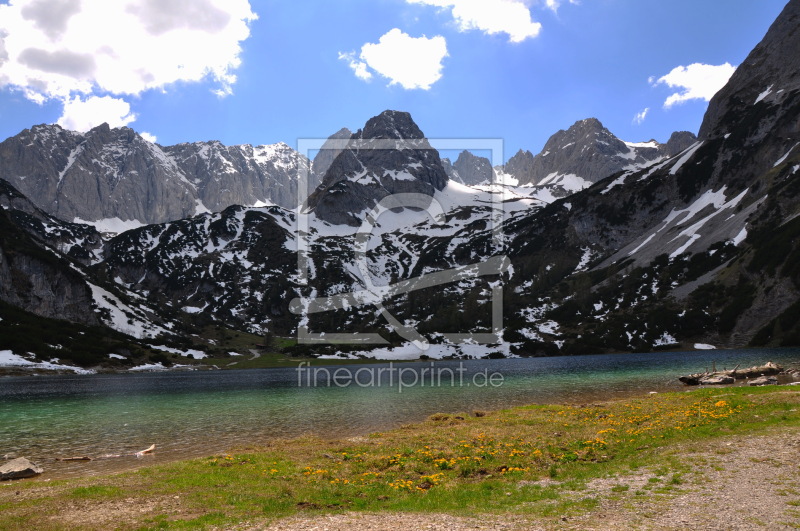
[(587, 152), (589, 133), (679, 141), (366, 172), (391, 125), (472, 169)]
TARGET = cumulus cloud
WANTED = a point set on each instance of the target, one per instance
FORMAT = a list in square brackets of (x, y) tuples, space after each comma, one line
[(696, 82), (511, 17), (640, 117), (411, 62), (79, 50), (82, 115), (148, 136)]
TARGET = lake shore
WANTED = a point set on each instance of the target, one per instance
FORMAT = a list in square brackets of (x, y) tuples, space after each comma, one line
[(597, 465), (194, 414)]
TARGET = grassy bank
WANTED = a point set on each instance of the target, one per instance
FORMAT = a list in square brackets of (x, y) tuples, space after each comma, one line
[(536, 460)]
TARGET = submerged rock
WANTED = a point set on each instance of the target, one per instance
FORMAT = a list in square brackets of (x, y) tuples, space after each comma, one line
[(18, 469)]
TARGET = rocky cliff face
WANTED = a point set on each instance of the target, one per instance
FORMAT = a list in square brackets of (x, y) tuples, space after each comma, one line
[(389, 156), (114, 173), (239, 175), (590, 152), (764, 76), (328, 153), (32, 274)]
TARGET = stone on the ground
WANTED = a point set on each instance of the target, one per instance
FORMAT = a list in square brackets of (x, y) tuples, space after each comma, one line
[(18, 469), (764, 380)]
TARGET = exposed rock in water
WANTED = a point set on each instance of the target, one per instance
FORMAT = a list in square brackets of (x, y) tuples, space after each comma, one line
[(19, 468)]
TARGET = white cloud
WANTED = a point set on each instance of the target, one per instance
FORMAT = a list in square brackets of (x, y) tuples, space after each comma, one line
[(640, 117), (82, 115), (359, 68), (696, 81), (63, 49), (511, 17), (411, 62), (148, 136), (553, 5)]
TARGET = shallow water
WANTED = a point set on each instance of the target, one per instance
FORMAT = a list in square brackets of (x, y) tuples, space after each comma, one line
[(199, 413)]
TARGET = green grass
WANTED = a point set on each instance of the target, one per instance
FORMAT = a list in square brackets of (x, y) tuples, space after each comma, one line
[(534, 460)]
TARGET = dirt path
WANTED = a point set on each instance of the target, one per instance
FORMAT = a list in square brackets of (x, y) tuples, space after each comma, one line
[(255, 353), (738, 483)]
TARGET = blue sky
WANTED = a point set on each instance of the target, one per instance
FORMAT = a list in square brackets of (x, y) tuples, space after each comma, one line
[(265, 71)]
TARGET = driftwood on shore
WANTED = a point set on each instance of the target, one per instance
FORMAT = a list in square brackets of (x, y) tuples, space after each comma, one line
[(729, 377), (140, 453), (149, 450)]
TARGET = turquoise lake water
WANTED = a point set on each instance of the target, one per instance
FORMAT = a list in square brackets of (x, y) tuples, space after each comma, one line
[(199, 413)]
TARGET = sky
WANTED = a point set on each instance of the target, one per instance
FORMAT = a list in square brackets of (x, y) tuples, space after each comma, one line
[(266, 71)]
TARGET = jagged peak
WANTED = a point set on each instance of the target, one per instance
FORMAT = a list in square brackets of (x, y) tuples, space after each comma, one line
[(391, 125)]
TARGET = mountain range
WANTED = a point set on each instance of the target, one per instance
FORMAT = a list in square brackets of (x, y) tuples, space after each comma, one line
[(600, 245)]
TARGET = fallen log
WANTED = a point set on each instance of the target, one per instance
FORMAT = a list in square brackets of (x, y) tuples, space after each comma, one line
[(84, 458), (146, 451)]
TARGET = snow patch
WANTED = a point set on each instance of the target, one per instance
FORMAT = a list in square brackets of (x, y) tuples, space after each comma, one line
[(112, 225), (783, 158), (652, 144), (664, 340), (688, 154), (197, 354), (642, 245), (616, 182), (149, 367), (408, 351), (739, 238), (122, 317), (764, 94), (704, 346), (585, 259), (9, 359)]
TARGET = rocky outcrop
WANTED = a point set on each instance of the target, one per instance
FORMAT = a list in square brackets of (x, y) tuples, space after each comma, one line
[(19, 468), (389, 156)]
